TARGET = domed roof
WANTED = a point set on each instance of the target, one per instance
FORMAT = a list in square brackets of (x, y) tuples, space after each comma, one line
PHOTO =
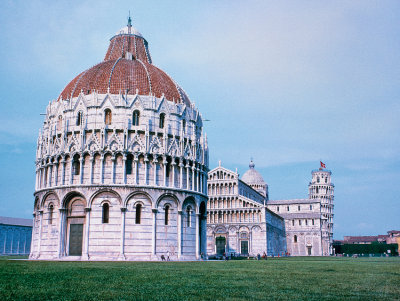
[(252, 176), (127, 69)]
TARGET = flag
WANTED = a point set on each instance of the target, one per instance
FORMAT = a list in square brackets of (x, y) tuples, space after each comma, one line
[(322, 164)]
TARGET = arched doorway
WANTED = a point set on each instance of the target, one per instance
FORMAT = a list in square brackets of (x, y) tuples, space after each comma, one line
[(75, 223)]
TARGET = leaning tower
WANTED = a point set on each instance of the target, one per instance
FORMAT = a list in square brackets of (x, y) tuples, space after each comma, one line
[(322, 188)]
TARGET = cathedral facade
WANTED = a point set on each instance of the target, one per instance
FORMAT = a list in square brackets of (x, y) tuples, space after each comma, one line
[(121, 164), (242, 220), (238, 220)]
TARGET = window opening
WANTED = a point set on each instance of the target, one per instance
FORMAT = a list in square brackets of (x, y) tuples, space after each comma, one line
[(79, 118), (136, 118), (189, 216), (138, 213), (162, 120), (51, 209), (106, 213), (76, 166), (107, 116), (128, 164), (166, 217)]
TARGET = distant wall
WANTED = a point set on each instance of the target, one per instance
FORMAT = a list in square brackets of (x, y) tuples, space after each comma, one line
[(15, 240)]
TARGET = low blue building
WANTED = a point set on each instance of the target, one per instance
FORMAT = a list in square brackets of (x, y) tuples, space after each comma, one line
[(15, 236)]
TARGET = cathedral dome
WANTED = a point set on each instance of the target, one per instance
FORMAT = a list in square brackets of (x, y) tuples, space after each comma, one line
[(252, 176), (127, 69)]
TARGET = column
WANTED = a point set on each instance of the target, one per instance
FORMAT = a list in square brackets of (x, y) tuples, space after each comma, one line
[(92, 162), (145, 169), (122, 252), (187, 176), (40, 232), (193, 176), (165, 171), (180, 173), (102, 169), (197, 235), (40, 177), (227, 244), (237, 243), (50, 174), (71, 176), (56, 174), (155, 171), (37, 178), (135, 159), (61, 232), (154, 232), (201, 181), (113, 169), (198, 180), (85, 255), (173, 172), (124, 168), (250, 243), (180, 217), (81, 170), (63, 171), (32, 253)]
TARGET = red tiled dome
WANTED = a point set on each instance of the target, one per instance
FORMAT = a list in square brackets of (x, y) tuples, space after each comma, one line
[(126, 68)]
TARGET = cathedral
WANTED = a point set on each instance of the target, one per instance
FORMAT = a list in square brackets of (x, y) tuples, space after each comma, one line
[(242, 220), (121, 164)]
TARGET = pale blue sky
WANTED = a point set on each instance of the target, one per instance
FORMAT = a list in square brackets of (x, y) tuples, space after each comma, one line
[(288, 83)]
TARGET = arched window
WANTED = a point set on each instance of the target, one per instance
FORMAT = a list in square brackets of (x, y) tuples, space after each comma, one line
[(189, 216), (59, 123), (292, 222), (107, 116), (167, 169), (79, 118), (162, 120), (51, 210), (76, 166), (316, 190), (184, 125), (106, 213), (128, 164), (138, 213), (135, 117), (295, 238), (166, 217), (326, 180), (317, 179)]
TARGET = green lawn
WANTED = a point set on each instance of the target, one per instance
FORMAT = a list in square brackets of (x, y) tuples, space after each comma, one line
[(279, 278)]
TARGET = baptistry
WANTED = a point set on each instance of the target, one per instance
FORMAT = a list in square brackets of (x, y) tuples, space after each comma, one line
[(121, 164)]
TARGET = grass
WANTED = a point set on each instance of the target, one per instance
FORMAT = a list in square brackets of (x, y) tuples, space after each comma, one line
[(294, 278)]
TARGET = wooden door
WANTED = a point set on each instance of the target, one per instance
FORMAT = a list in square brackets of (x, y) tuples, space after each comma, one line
[(75, 239), (244, 247), (220, 243)]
